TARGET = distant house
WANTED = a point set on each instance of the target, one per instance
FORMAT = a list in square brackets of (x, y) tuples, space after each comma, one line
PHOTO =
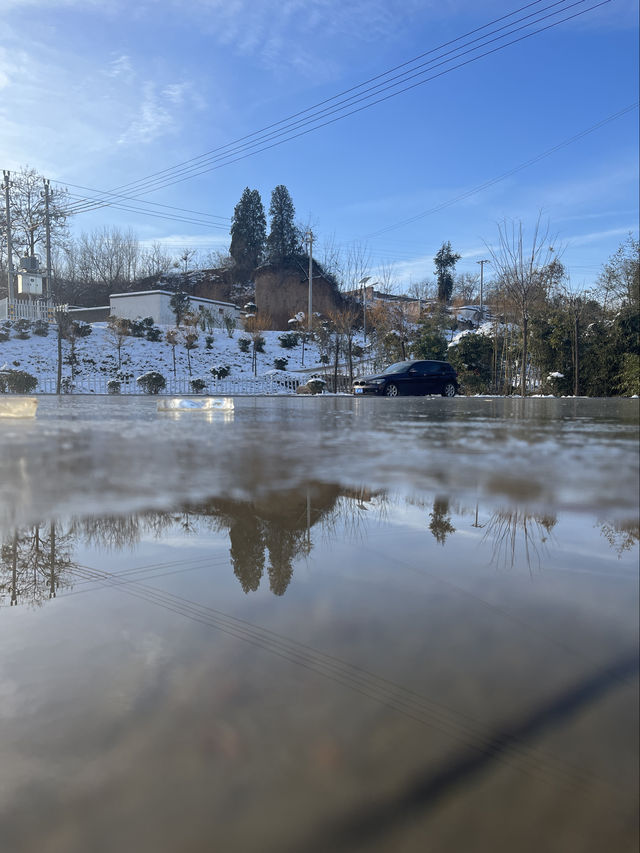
[(155, 304), (411, 308)]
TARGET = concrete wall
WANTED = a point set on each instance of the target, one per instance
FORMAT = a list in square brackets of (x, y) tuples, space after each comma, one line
[(155, 303), (90, 315)]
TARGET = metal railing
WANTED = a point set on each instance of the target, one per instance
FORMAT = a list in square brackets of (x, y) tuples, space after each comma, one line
[(98, 384)]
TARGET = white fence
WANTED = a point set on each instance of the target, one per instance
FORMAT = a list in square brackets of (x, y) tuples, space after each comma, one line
[(98, 385), (22, 309)]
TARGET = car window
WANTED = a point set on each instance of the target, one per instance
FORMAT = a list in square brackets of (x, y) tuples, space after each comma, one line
[(398, 367), (428, 368)]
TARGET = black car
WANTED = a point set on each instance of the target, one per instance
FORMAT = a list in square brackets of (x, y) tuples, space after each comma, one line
[(411, 377)]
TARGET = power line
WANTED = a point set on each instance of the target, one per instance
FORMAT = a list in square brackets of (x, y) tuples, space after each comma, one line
[(314, 107), (503, 176), (159, 215), (233, 152), (87, 201)]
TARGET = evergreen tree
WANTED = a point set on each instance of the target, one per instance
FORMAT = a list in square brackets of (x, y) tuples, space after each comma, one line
[(180, 304), (285, 239), (248, 231), (445, 262)]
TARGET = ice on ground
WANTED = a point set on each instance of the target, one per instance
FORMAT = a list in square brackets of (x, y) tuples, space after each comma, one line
[(18, 407), (203, 404)]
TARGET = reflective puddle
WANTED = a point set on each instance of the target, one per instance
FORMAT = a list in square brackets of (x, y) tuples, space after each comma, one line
[(257, 645)]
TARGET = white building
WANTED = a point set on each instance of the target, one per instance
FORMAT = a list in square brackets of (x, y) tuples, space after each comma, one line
[(155, 304)]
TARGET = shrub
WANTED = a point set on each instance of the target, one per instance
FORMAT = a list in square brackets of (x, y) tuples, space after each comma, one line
[(41, 328), (220, 371), (244, 344), (17, 382), (23, 329), (83, 330), (316, 386), (280, 363), (137, 328), (153, 333), (113, 386), (152, 382), (67, 385), (258, 343), (208, 341), (289, 340), (4, 335), (198, 385), (230, 324)]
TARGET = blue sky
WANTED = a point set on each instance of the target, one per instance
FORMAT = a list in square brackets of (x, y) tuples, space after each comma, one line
[(100, 93)]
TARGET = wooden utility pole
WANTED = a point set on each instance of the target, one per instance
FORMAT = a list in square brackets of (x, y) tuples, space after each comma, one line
[(309, 236), (47, 292), (7, 184)]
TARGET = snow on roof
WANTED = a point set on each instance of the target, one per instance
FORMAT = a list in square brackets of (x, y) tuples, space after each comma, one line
[(170, 293)]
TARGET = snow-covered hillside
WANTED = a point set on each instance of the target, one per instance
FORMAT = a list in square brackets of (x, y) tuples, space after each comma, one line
[(97, 356)]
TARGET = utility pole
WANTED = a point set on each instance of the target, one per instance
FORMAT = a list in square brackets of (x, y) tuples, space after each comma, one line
[(309, 236), (363, 282), (482, 263), (7, 184), (47, 292)]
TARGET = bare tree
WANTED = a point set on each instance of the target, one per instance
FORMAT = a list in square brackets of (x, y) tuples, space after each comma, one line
[(28, 213), (465, 287), (118, 329), (523, 273), (619, 280), (355, 267), (387, 278), (425, 290), (330, 256), (190, 334), (186, 258), (171, 337), (155, 262)]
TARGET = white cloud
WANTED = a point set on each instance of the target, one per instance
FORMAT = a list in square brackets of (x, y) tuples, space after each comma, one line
[(121, 67), (302, 34), (201, 242), (597, 236), (153, 119)]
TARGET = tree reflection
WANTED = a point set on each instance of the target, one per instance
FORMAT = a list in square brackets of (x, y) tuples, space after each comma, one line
[(440, 524), (34, 563), (268, 533), (247, 550), (513, 528), (621, 535)]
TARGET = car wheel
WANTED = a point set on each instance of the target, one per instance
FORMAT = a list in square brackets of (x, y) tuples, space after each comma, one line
[(449, 390), (391, 390)]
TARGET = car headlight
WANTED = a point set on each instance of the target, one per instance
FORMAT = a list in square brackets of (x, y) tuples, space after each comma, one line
[(375, 382)]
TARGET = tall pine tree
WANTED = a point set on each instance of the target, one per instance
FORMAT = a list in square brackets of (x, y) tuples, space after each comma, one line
[(285, 239), (248, 231), (445, 262)]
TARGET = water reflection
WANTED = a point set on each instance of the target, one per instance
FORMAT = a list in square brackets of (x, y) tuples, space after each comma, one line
[(34, 563), (271, 534), (512, 528)]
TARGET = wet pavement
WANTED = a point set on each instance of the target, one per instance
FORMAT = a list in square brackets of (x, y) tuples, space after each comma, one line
[(320, 624)]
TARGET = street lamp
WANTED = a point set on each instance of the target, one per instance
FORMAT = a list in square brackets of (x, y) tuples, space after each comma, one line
[(363, 282)]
